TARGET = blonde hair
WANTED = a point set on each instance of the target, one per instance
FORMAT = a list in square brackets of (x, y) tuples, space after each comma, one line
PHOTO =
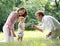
[(21, 18)]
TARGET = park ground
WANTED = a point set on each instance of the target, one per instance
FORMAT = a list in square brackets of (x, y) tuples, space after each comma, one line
[(31, 38)]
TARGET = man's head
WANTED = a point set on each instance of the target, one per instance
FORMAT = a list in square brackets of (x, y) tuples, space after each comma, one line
[(22, 12), (39, 14)]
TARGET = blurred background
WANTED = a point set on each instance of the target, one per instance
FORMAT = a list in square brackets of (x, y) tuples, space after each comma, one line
[(50, 7)]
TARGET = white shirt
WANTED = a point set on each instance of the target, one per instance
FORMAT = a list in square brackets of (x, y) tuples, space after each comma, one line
[(50, 23), (22, 25)]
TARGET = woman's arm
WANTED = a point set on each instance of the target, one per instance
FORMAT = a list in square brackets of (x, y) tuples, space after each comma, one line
[(9, 33)]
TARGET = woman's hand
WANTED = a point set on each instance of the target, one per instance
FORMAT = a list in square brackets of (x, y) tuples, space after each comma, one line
[(9, 32), (14, 34)]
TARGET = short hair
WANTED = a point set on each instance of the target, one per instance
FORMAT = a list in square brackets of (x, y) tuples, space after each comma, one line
[(22, 8), (39, 12)]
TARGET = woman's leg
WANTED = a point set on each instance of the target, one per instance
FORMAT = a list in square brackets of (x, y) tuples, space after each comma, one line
[(6, 36), (11, 37)]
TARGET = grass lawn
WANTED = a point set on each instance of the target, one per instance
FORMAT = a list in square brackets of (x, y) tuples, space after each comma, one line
[(31, 38)]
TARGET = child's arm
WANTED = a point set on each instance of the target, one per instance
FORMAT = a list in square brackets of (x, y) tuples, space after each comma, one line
[(19, 26), (48, 34), (27, 24)]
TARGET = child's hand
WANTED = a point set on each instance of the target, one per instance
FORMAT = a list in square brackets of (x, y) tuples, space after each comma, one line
[(34, 26), (28, 24)]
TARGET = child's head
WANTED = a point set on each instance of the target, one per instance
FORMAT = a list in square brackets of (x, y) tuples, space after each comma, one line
[(21, 19)]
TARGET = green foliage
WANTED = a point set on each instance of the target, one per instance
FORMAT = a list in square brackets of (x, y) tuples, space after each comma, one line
[(31, 38), (53, 9), (6, 6)]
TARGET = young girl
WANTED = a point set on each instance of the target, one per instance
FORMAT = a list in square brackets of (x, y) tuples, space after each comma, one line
[(21, 28)]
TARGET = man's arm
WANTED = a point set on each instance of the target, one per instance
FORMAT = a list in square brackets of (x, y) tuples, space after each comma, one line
[(34, 26)]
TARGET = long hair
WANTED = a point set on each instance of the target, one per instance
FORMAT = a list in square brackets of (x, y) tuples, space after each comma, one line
[(25, 14)]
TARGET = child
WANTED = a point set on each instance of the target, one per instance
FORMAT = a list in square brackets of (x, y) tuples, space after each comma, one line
[(21, 28)]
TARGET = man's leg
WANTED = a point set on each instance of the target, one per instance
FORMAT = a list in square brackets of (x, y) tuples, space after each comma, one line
[(54, 34), (58, 33)]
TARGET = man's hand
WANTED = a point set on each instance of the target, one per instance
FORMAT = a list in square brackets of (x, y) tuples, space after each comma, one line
[(48, 35), (34, 26)]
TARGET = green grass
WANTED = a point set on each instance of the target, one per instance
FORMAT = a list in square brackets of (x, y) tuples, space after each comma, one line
[(31, 38)]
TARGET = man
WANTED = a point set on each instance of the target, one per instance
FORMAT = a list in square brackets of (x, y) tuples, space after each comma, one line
[(48, 22)]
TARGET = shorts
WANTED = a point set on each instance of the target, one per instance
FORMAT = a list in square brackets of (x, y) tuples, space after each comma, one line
[(20, 33)]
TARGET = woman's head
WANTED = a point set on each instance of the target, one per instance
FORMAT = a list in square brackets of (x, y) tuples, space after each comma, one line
[(22, 12), (39, 14)]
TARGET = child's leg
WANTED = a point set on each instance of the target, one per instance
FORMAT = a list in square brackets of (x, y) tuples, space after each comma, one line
[(18, 38), (21, 38)]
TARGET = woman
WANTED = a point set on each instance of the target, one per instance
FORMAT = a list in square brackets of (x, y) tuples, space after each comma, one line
[(8, 27)]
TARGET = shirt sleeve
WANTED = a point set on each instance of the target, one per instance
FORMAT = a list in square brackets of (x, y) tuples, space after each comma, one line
[(42, 27)]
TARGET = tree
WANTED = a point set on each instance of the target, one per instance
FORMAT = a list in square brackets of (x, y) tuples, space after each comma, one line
[(53, 8)]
